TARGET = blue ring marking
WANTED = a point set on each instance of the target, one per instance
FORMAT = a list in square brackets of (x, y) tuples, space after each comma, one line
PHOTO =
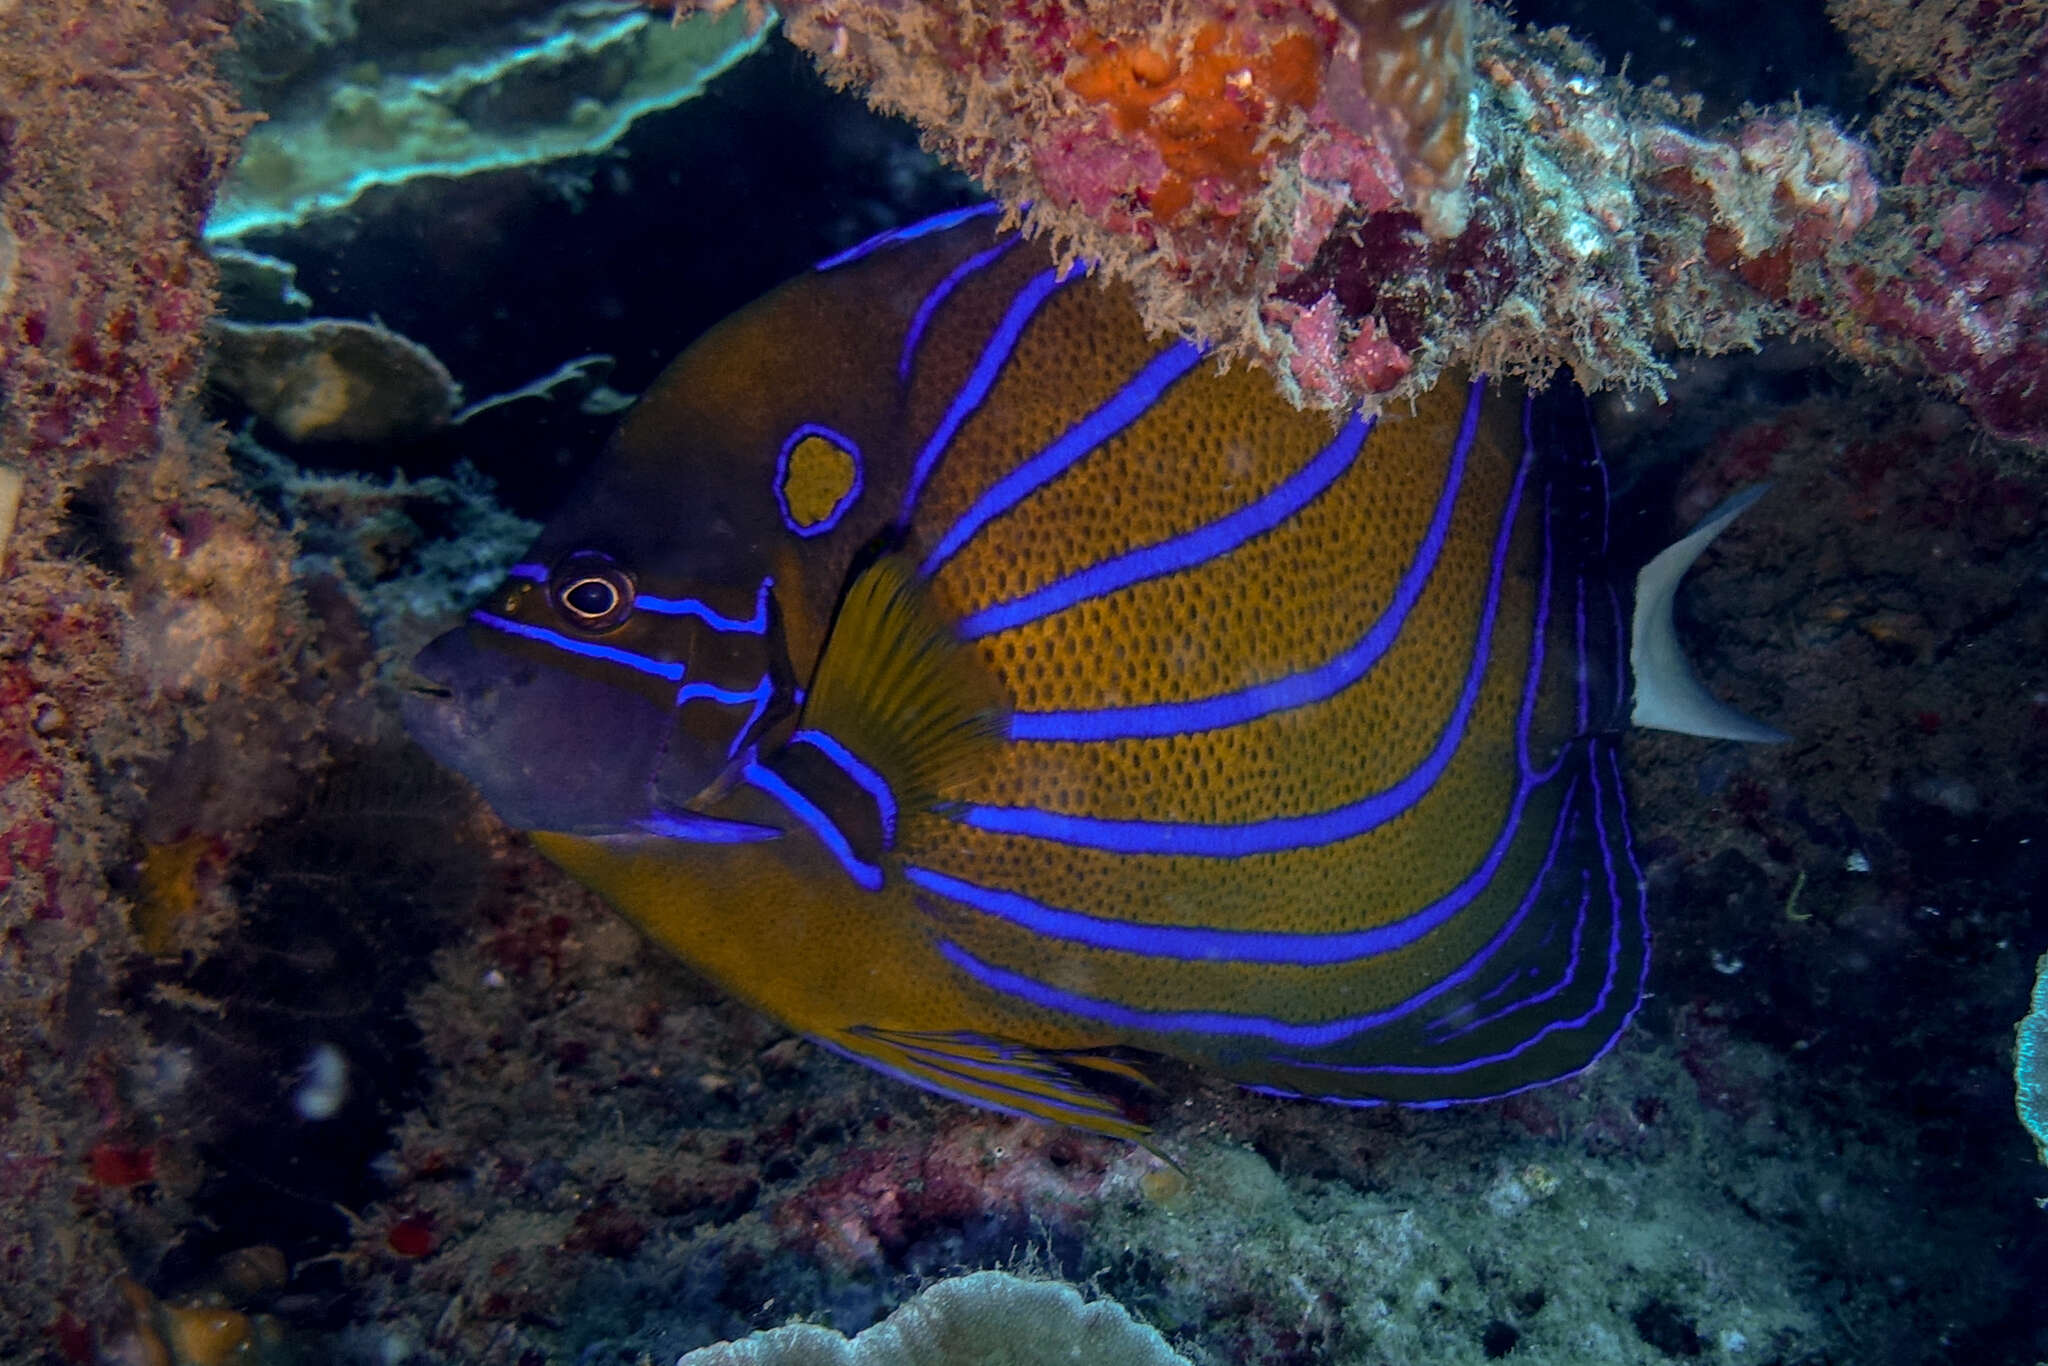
[(589, 649), (1184, 552), (834, 839), (940, 293), (994, 356), (1224, 710), (1123, 408), (680, 607), (1197, 840), (696, 829), (755, 625), (846, 499), (856, 768), (952, 218)]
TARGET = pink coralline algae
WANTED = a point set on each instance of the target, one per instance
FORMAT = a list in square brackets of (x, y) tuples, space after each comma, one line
[(1969, 297), (880, 1199), (1366, 194)]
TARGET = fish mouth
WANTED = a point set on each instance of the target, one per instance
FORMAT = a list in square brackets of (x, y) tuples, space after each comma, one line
[(412, 683)]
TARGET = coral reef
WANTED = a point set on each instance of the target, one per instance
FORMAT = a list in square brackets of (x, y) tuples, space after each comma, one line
[(222, 881), (163, 680), (382, 98), (1312, 186), (2030, 1063), (333, 379), (988, 1318)]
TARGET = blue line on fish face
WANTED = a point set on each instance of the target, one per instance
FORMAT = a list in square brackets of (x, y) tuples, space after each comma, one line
[(1158, 719), (754, 625), (1181, 553), (757, 624), (666, 669)]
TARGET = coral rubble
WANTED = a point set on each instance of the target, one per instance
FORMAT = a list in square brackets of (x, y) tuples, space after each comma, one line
[(1311, 185)]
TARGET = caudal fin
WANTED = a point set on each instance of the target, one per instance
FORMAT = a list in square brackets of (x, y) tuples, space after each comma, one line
[(1668, 696)]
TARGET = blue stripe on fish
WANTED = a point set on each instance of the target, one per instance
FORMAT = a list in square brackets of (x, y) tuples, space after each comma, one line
[(994, 356), (862, 774), (1610, 971), (695, 829), (1158, 719), (1124, 407), (754, 625), (1181, 553), (908, 233), (1280, 833), (834, 839), (940, 293)]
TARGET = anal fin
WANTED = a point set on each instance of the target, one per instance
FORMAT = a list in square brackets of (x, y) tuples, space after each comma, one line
[(1062, 1087)]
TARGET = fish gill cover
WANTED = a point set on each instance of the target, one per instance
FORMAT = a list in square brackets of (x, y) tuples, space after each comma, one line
[(223, 872)]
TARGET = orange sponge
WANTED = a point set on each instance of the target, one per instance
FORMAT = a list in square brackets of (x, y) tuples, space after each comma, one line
[(1213, 114)]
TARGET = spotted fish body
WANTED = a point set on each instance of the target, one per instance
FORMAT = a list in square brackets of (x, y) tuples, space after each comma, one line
[(994, 693)]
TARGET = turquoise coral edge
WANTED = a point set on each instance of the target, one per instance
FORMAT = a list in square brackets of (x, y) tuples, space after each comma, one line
[(2030, 1063)]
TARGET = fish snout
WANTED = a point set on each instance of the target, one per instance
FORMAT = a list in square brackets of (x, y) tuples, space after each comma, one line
[(547, 748)]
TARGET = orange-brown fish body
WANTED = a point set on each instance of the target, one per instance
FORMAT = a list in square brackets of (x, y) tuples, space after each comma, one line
[(979, 684)]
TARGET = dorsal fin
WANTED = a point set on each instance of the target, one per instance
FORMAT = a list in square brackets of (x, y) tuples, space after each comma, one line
[(1668, 696), (897, 688)]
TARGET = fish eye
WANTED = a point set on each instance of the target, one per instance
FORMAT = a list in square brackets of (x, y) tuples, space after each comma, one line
[(591, 591)]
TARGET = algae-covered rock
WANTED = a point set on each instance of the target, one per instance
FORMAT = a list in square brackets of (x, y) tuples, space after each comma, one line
[(334, 379), (2030, 1062), (986, 1319)]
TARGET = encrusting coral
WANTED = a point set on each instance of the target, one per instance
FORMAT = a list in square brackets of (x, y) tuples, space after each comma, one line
[(1367, 192), (987, 1318), (163, 683)]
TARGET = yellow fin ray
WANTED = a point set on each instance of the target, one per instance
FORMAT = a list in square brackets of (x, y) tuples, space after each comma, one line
[(1045, 1084), (895, 686)]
